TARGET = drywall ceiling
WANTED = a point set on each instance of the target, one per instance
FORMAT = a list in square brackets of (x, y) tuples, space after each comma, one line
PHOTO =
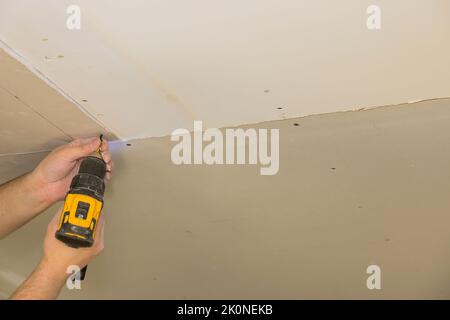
[(148, 67), (307, 232), (34, 116), (354, 189)]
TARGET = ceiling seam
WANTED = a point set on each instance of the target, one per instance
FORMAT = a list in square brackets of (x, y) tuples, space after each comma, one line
[(13, 53), (36, 112), (23, 153)]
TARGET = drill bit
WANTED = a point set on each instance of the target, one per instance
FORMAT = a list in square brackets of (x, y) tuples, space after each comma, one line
[(99, 149)]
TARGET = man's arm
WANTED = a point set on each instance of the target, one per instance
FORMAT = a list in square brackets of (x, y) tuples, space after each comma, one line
[(42, 284), (20, 201), (23, 198), (50, 275)]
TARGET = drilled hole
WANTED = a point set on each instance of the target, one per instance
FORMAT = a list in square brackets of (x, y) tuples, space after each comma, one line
[(296, 124)]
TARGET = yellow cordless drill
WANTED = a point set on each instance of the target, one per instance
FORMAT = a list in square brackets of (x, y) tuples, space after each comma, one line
[(83, 204)]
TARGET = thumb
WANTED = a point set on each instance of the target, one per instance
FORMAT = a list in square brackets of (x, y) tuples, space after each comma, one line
[(79, 148)]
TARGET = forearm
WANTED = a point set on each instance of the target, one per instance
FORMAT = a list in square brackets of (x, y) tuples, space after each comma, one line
[(44, 283), (20, 201)]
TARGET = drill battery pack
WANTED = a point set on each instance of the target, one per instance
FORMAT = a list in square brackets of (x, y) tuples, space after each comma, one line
[(83, 204)]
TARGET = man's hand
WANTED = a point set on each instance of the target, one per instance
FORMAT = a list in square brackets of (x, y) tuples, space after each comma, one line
[(58, 257), (26, 196), (23, 198), (51, 273), (53, 175)]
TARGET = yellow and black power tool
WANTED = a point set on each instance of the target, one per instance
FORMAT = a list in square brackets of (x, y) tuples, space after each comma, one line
[(83, 204)]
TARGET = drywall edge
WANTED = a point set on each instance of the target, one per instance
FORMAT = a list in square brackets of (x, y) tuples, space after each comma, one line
[(15, 55)]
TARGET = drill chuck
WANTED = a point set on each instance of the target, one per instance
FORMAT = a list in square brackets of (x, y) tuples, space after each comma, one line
[(90, 177)]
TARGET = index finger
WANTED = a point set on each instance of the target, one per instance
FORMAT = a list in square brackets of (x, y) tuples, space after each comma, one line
[(104, 150)]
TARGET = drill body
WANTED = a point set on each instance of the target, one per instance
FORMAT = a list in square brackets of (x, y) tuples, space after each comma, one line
[(83, 204)]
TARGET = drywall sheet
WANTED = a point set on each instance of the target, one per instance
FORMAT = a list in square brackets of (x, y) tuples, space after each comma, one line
[(354, 189), (33, 115), (144, 68), (25, 131)]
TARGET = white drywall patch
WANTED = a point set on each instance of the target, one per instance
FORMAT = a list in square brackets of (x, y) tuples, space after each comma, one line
[(144, 68)]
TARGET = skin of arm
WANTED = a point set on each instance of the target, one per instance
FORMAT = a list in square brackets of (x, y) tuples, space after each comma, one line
[(23, 198), (50, 275)]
